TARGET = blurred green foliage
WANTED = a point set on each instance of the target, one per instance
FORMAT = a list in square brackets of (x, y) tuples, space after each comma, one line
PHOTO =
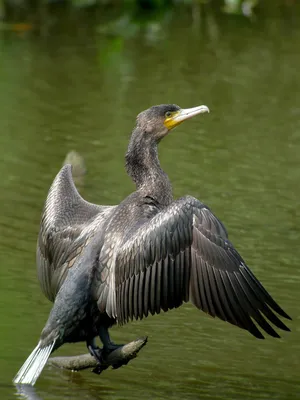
[(128, 18), (245, 7)]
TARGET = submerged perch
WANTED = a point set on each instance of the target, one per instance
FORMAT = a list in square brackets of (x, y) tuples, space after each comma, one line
[(118, 357)]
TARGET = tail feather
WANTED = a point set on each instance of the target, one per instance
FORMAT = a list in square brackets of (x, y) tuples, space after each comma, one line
[(33, 366)]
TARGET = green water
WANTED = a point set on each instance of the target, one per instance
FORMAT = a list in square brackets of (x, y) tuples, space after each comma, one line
[(77, 90)]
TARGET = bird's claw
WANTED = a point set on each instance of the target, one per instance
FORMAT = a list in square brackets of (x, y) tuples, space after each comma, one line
[(96, 352), (99, 368), (101, 356)]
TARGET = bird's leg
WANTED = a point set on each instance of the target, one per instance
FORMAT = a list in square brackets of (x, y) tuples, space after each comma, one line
[(108, 345), (94, 350)]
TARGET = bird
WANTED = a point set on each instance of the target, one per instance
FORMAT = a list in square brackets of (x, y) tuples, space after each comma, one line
[(105, 265)]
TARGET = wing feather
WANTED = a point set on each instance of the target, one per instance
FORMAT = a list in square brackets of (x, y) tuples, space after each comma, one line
[(158, 286), (135, 295), (230, 317), (165, 288), (153, 289), (215, 294), (183, 253), (68, 223), (141, 290), (146, 292), (130, 296), (195, 288)]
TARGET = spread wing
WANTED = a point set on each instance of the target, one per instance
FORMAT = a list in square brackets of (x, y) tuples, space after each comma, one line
[(68, 223), (183, 254)]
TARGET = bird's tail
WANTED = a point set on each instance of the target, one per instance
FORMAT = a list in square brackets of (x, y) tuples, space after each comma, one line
[(33, 366)]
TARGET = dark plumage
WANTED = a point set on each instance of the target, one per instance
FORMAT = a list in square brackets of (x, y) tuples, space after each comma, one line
[(106, 264)]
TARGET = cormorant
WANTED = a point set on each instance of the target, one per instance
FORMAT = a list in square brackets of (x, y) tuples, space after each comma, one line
[(102, 265)]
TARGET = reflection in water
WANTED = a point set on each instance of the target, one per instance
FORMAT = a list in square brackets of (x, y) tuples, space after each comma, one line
[(27, 392), (243, 161), (76, 383)]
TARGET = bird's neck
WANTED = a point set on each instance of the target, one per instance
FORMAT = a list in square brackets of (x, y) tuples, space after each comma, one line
[(142, 165)]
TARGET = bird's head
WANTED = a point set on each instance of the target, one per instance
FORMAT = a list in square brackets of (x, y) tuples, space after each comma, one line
[(159, 120)]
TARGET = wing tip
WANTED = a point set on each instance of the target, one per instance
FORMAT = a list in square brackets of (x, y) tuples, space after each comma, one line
[(285, 315), (271, 332)]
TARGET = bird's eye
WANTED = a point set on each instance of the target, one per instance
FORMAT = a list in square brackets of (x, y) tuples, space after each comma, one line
[(168, 114)]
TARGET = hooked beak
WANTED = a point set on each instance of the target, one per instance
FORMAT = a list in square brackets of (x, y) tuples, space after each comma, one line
[(183, 115)]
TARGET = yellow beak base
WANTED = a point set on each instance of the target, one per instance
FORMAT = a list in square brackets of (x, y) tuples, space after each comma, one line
[(186, 113)]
